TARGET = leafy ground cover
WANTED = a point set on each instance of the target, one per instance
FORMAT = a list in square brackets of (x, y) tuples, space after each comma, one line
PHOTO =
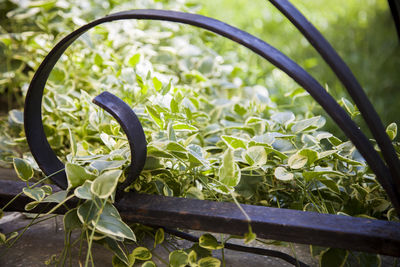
[(216, 128), (362, 32)]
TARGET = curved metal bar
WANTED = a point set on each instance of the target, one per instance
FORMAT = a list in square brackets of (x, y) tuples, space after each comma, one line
[(49, 163), (133, 130), (395, 10), (347, 78), (253, 250)]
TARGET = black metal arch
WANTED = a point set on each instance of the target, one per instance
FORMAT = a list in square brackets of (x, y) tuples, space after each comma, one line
[(49, 163), (347, 78), (394, 6), (133, 130)]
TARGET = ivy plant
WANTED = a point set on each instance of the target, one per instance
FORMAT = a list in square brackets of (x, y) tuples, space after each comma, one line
[(211, 134)]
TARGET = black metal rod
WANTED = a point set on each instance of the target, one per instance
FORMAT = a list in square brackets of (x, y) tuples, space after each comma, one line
[(49, 163), (347, 78), (253, 250), (134, 131), (395, 10), (313, 228), (270, 223)]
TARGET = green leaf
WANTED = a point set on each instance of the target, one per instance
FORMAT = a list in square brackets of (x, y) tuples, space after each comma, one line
[(23, 169), (297, 161), (325, 154), (35, 193), (184, 127), (47, 189), (351, 109), (256, 155), (208, 241), (307, 124), (109, 223), (167, 191), (117, 262), (335, 141), (298, 92), (102, 165), (142, 85), (209, 262), (192, 257), (239, 109), (2, 238), (171, 132), (141, 253), (16, 116), (276, 152), (391, 131), (332, 185), (249, 182), (157, 84), (234, 142), (316, 250), (333, 257), (114, 247), (201, 252), (31, 205), (345, 159), (174, 106), (283, 118), (311, 155), (134, 60), (57, 75), (229, 172), (83, 191), (148, 264), (157, 151), (105, 185), (155, 116), (77, 175), (370, 260), (56, 197), (46, 5), (108, 141), (166, 88), (196, 156), (194, 192), (71, 220), (178, 258), (131, 260), (87, 212), (153, 163), (309, 175), (98, 60), (282, 174), (175, 146), (159, 237)]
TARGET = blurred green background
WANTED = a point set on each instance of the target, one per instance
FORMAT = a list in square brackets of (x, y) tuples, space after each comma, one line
[(361, 31)]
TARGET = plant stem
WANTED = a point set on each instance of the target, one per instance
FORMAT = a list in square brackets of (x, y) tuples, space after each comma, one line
[(294, 253), (19, 236), (92, 234), (223, 251), (36, 222)]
